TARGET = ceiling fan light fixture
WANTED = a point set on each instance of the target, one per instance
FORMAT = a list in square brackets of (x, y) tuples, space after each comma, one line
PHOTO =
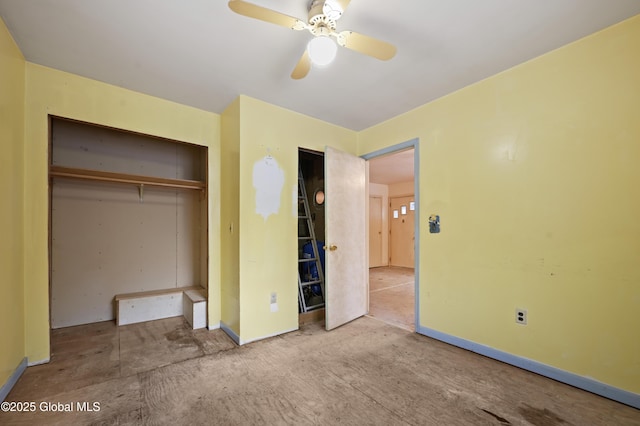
[(322, 50)]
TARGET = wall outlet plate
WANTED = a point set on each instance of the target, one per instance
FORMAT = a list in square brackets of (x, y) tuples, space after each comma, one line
[(521, 316)]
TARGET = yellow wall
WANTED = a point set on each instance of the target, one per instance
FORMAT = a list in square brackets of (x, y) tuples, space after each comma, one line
[(534, 173), (58, 93), (11, 224), (268, 248), (230, 217)]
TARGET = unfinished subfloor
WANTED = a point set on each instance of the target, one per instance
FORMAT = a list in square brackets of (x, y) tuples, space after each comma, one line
[(366, 372), (392, 295)]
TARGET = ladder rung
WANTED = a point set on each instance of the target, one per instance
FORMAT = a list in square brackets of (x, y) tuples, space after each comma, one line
[(308, 283), (304, 238), (307, 259), (319, 305)]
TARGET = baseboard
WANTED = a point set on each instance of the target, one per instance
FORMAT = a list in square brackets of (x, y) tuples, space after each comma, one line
[(241, 342), (13, 379), (214, 326), (244, 342), (585, 383), (40, 362), (230, 332)]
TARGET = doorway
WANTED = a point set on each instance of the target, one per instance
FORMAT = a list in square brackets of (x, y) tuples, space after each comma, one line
[(393, 232), (351, 290), (311, 231), (346, 286)]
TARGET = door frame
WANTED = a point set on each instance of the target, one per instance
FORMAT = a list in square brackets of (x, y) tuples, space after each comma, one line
[(415, 144)]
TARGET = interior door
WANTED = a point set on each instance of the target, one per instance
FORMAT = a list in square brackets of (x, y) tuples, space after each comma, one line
[(346, 253), (375, 232), (401, 238)]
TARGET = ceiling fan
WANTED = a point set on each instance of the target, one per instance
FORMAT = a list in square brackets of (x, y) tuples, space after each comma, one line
[(322, 18)]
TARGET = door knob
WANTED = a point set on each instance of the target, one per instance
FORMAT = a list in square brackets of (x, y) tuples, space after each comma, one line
[(331, 247)]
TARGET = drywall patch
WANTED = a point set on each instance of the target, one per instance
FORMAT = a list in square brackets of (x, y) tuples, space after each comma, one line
[(268, 180)]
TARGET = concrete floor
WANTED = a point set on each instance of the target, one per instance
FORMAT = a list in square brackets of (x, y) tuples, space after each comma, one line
[(365, 372), (392, 296)]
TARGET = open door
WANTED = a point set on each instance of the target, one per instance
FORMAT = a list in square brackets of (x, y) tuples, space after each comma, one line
[(346, 287)]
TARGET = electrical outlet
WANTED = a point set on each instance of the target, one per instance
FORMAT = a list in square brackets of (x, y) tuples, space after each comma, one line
[(274, 297), (521, 316)]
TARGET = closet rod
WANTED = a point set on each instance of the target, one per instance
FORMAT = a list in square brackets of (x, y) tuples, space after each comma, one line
[(86, 174)]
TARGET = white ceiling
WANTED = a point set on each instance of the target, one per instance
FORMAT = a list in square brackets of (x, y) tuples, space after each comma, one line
[(199, 53)]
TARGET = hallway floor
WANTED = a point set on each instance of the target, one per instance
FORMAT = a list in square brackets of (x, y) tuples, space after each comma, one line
[(392, 295)]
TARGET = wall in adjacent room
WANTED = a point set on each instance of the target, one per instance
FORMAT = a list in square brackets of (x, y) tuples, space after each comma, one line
[(382, 191)]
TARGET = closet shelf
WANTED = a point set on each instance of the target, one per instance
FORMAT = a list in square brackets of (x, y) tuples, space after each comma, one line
[(87, 174)]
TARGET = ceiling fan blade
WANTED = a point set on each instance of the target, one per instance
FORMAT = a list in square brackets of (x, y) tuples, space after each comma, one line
[(368, 45), (267, 15), (302, 67)]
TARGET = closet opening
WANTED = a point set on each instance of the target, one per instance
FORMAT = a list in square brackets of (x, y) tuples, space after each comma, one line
[(128, 236), (311, 236)]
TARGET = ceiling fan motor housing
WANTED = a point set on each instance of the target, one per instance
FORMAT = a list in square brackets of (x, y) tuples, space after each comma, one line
[(323, 15)]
